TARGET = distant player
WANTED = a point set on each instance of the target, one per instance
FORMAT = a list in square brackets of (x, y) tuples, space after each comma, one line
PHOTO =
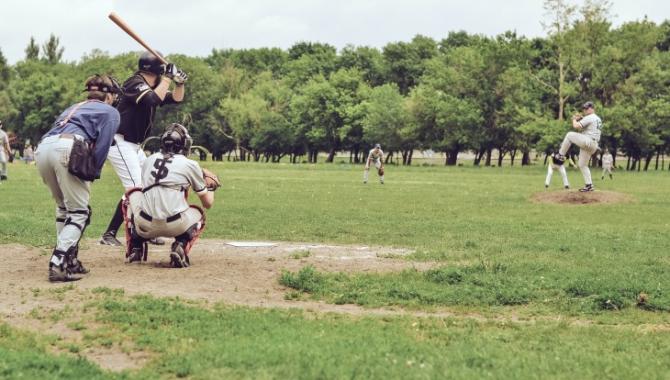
[(556, 164), (94, 121), (5, 152), (160, 208), (376, 155), (589, 127), (608, 164), (146, 90)]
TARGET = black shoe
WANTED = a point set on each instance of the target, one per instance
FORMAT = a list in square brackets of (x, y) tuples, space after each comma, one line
[(178, 258), (586, 188), (108, 238), (567, 187), (3, 177), (136, 255), (157, 241), (546, 187)]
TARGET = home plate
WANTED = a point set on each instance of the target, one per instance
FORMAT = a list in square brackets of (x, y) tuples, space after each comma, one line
[(251, 244)]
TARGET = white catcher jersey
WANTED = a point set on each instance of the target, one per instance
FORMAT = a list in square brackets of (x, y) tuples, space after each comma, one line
[(174, 175), (375, 156), (592, 126)]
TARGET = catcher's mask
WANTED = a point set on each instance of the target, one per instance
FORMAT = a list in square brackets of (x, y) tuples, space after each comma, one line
[(176, 140)]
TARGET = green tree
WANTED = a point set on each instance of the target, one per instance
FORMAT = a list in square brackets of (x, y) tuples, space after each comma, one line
[(32, 50), (52, 51)]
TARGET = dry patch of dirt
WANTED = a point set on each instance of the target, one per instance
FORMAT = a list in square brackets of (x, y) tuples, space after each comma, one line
[(574, 197)]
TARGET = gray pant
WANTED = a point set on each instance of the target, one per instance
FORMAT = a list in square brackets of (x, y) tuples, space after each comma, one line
[(3, 161), (70, 193)]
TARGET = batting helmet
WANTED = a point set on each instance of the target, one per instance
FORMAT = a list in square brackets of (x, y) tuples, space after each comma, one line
[(150, 63), (176, 140)]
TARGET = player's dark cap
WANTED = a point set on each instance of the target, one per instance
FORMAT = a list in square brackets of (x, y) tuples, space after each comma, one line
[(587, 105), (378, 146), (150, 63)]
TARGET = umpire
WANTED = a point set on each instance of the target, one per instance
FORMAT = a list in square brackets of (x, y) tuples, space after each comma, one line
[(94, 121), (143, 92)]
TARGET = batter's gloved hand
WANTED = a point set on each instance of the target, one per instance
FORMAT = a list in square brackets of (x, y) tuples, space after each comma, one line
[(181, 77), (171, 70)]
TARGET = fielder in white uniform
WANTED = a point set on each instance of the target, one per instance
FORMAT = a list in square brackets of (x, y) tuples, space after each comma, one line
[(160, 208), (586, 139), (608, 164), (375, 156), (146, 90), (5, 152), (556, 164)]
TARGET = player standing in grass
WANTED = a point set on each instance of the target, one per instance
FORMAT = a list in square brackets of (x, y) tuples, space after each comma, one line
[(5, 152), (608, 164), (145, 91), (376, 155), (589, 127), (556, 164)]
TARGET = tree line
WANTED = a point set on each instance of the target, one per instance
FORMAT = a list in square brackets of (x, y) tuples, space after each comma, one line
[(506, 94)]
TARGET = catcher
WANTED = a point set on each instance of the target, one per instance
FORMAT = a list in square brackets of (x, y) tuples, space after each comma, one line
[(376, 155), (160, 207)]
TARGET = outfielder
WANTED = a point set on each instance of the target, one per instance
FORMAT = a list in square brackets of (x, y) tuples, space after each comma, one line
[(608, 164), (160, 208), (376, 155), (146, 90), (556, 164), (586, 139), (5, 152), (95, 121)]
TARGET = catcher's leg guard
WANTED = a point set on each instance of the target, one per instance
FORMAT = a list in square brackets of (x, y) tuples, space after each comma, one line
[(59, 269)]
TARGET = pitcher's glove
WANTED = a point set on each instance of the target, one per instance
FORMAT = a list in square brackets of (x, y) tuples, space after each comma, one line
[(577, 117), (211, 180), (380, 171)]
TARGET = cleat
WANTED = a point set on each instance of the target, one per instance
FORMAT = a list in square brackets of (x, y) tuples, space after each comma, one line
[(77, 267), (546, 186), (3, 177), (108, 238), (586, 188), (58, 274), (177, 257), (136, 254), (567, 187), (157, 241)]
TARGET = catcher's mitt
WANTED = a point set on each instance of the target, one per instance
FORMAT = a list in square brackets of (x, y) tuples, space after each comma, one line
[(380, 171), (211, 180)]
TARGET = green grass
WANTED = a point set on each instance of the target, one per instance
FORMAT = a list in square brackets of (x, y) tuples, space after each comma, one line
[(496, 252)]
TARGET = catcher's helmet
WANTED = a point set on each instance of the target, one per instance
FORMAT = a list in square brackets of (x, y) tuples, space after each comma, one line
[(150, 63), (176, 140)]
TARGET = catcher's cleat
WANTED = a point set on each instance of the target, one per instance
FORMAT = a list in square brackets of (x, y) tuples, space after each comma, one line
[(108, 238), (177, 257), (586, 188), (59, 274), (136, 254), (157, 241)]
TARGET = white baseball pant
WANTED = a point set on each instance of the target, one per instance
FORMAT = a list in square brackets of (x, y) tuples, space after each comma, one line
[(587, 146), (127, 159), (550, 173), (366, 172)]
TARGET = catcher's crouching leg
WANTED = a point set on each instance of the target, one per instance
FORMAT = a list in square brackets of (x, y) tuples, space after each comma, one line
[(183, 243)]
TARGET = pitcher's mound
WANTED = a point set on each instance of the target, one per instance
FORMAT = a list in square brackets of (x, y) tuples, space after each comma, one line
[(576, 198)]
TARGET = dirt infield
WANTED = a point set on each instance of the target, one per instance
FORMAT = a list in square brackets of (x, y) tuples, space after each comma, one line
[(219, 272), (576, 198)]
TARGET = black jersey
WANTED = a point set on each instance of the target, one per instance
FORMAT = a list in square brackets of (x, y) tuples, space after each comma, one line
[(138, 107)]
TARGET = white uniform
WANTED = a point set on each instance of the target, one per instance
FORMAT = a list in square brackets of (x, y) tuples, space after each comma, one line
[(4, 142), (377, 157), (550, 172), (587, 141), (127, 159), (161, 209), (608, 162)]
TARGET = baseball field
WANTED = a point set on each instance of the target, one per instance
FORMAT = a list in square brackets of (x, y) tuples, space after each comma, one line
[(458, 272)]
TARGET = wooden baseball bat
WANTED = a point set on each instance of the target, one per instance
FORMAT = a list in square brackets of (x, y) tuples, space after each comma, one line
[(126, 28)]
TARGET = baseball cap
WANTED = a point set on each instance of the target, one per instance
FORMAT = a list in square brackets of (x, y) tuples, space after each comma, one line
[(587, 105), (378, 146)]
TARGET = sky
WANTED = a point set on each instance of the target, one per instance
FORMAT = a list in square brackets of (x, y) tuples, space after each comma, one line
[(195, 27)]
